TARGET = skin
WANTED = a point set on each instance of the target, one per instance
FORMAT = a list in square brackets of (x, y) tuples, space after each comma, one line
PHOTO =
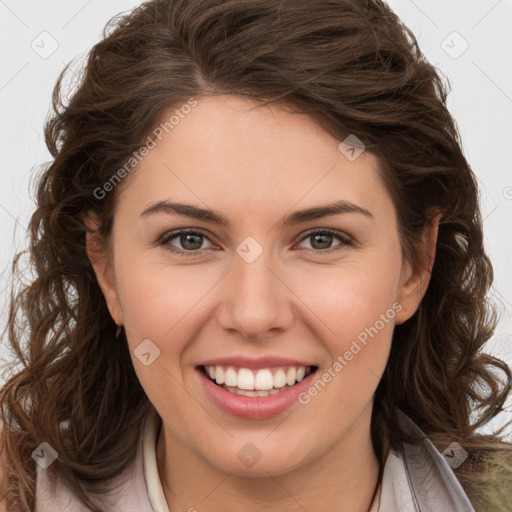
[(255, 166)]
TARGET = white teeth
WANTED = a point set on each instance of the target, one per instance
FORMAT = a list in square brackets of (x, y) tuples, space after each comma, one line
[(219, 375), (258, 383), (264, 380), (243, 392), (290, 376), (230, 377), (245, 379), (279, 379)]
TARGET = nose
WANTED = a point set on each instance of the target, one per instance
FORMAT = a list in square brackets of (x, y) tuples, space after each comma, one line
[(256, 299)]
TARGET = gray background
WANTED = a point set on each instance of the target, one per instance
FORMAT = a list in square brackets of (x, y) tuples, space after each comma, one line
[(469, 41)]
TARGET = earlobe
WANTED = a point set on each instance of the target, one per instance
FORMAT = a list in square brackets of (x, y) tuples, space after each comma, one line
[(99, 261), (415, 281)]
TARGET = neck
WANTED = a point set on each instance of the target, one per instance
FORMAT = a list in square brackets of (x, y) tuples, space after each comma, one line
[(343, 479)]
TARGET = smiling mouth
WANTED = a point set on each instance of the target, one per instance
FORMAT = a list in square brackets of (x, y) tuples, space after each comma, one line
[(256, 383)]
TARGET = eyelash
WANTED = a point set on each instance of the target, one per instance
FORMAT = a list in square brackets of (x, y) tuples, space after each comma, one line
[(164, 241)]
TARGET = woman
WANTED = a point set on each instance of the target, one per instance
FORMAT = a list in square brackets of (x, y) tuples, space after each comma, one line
[(260, 279)]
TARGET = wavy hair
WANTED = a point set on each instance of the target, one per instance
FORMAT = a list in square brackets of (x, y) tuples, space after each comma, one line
[(356, 69)]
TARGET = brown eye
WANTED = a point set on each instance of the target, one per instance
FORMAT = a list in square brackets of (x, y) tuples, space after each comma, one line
[(322, 240), (190, 242)]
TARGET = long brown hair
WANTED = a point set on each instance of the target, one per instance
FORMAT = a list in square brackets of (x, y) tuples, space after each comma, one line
[(354, 67)]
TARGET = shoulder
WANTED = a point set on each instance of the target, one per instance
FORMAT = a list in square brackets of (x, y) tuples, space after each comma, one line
[(3, 506), (429, 475), (487, 477), (125, 492), (479, 467)]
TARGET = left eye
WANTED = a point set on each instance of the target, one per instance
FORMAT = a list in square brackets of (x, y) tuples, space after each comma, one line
[(321, 240)]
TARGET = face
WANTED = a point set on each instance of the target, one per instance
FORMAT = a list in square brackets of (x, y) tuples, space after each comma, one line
[(238, 285)]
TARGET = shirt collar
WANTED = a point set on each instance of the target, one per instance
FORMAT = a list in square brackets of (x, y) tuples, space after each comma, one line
[(155, 491)]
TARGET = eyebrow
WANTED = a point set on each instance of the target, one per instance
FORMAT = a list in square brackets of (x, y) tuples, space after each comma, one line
[(211, 216)]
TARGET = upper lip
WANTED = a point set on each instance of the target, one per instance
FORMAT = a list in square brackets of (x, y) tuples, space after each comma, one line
[(261, 362)]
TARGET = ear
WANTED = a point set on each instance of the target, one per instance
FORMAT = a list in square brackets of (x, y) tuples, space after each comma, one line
[(102, 266), (414, 281)]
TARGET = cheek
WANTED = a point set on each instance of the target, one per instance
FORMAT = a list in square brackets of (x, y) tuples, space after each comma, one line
[(360, 321), (355, 308), (353, 296), (160, 304), (160, 300)]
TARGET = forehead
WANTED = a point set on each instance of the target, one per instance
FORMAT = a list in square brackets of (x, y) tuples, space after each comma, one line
[(236, 152)]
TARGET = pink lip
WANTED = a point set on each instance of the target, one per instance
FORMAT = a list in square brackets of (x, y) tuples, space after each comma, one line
[(247, 362), (254, 408)]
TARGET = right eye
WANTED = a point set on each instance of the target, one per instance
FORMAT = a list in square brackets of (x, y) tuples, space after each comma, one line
[(190, 241)]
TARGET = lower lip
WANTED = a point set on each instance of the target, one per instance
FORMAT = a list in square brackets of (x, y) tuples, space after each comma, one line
[(257, 407)]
